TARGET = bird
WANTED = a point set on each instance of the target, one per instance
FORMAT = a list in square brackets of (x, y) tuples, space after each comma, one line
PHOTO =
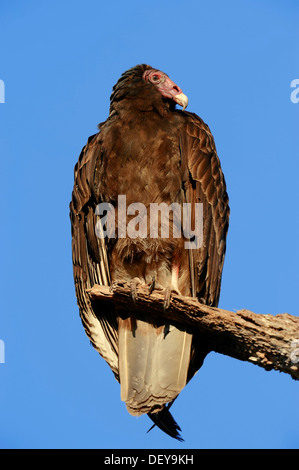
[(148, 154)]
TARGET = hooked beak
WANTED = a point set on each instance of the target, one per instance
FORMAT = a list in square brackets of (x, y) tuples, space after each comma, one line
[(181, 99)]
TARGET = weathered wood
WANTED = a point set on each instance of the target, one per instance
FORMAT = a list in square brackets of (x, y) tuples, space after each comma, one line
[(269, 341)]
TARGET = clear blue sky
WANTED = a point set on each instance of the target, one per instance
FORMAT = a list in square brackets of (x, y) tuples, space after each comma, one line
[(235, 60)]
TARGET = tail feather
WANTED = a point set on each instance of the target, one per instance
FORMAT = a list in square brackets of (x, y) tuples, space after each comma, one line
[(153, 366), (165, 421)]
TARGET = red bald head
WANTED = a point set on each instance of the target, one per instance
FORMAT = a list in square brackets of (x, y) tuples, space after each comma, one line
[(166, 87)]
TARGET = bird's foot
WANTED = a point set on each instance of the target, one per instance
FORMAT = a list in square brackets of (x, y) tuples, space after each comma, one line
[(167, 296), (154, 285), (133, 286)]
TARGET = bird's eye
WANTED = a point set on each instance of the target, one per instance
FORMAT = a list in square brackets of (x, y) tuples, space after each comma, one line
[(155, 78)]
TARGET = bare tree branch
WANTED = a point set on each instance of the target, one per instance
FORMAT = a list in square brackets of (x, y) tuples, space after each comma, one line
[(271, 342)]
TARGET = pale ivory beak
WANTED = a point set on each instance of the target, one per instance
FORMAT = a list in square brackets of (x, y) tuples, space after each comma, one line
[(181, 99)]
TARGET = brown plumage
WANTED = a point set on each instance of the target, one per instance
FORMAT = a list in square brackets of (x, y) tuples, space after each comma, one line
[(150, 152)]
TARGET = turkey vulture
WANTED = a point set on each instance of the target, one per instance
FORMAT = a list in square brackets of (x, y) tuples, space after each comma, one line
[(150, 153)]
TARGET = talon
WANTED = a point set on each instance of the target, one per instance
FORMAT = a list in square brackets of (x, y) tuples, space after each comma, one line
[(133, 286), (133, 291), (167, 299), (152, 285)]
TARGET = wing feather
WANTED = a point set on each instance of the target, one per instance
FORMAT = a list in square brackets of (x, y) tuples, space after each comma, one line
[(205, 183), (90, 260)]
